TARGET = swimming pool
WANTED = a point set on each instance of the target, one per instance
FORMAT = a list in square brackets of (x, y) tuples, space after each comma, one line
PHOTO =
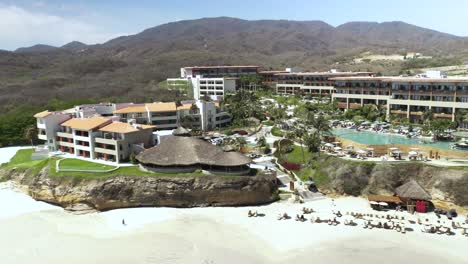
[(370, 138)]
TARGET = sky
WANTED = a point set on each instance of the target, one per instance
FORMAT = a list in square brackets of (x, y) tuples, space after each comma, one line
[(56, 22)]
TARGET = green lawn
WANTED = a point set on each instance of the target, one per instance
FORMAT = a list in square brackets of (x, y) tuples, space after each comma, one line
[(276, 131), (21, 156), (296, 155), (22, 160), (126, 171), (77, 164)]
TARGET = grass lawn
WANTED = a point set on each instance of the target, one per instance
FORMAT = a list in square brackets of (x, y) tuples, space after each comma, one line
[(125, 171), (296, 155), (77, 164), (22, 160), (21, 156), (276, 131)]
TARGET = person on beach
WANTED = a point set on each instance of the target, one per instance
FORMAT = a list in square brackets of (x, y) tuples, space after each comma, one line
[(123, 222)]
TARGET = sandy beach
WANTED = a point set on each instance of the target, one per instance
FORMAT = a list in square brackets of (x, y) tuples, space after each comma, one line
[(36, 232)]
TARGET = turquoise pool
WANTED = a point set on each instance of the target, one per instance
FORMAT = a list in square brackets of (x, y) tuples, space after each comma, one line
[(370, 138)]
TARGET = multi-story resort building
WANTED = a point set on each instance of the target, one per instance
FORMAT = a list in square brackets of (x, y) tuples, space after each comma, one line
[(99, 132), (215, 88), (311, 83), (218, 71), (409, 97)]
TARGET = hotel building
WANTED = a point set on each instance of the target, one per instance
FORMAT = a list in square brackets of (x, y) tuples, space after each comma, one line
[(311, 83), (409, 97), (218, 71), (114, 131), (215, 88)]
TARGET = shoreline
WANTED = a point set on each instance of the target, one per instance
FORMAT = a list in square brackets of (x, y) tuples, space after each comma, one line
[(172, 235)]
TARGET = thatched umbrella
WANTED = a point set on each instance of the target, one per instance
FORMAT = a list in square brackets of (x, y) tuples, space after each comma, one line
[(412, 190)]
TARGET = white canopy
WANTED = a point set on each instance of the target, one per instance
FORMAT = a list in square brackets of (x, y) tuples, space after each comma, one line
[(412, 153), (337, 148), (360, 151), (372, 202), (393, 148), (383, 203), (328, 145)]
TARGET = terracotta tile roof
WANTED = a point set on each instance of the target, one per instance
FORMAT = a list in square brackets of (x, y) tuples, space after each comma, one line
[(123, 128), (185, 107), (131, 109), (42, 114), (161, 107), (86, 123)]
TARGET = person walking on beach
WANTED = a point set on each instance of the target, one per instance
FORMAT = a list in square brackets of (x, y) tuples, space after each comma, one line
[(123, 222)]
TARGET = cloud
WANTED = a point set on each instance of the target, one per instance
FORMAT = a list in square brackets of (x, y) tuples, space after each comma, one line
[(20, 28)]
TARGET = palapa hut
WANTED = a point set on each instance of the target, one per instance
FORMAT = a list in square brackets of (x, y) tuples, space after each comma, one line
[(180, 153), (414, 196)]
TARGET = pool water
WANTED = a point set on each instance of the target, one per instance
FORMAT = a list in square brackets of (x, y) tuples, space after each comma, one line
[(370, 138)]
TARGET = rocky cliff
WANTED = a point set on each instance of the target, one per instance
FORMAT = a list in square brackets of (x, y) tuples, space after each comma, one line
[(340, 176), (139, 191)]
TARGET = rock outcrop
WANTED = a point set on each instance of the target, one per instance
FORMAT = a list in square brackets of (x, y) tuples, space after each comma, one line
[(340, 176), (138, 191)]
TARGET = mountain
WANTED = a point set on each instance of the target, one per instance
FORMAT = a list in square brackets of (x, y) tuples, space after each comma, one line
[(75, 46), (36, 49), (130, 67)]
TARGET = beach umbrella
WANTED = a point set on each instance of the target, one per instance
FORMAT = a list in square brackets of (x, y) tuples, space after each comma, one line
[(383, 203), (412, 153), (328, 145), (360, 151), (374, 203), (337, 148)]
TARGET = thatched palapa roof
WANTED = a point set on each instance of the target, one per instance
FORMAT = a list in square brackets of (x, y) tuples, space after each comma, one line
[(185, 151), (413, 190)]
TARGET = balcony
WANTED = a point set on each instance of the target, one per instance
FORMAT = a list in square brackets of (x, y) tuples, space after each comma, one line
[(64, 135), (65, 144), (41, 125), (109, 141), (398, 112), (443, 115), (106, 151), (416, 113), (354, 105), (42, 136), (342, 105)]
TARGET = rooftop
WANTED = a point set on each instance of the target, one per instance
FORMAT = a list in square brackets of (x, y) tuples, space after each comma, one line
[(186, 151), (161, 107), (86, 123), (42, 114), (432, 80), (131, 109), (325, 73), (124, 128)]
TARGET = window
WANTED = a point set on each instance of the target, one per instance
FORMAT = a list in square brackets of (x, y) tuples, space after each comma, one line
[(120, 146)]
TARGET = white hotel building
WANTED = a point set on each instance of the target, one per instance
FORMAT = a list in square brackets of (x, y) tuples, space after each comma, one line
[(311, 83), (409, 97)]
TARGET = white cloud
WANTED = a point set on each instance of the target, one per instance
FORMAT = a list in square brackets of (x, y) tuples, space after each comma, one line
[(20, 27)]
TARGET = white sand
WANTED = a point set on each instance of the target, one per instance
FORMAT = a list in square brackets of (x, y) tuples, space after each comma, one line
[(34, 232)]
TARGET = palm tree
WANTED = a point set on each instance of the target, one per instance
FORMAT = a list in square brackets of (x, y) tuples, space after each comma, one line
[(30, 134), (321, 124), (299, 133)]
